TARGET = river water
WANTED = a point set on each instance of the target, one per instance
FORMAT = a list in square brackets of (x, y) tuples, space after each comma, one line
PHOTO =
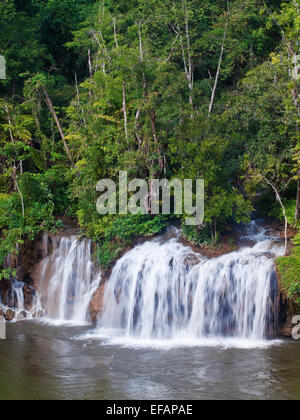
[(41, 361)]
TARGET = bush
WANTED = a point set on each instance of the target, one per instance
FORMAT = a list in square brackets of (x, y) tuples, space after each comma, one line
[(289, 270), (197, 236), (120, 232)]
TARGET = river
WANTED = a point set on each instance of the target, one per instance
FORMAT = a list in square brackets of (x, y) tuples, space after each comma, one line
[(41, 361)]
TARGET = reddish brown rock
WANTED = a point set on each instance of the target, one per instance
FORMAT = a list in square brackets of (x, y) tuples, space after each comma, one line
[(96, 304), (10, 315), (287, 328), (28, 293)]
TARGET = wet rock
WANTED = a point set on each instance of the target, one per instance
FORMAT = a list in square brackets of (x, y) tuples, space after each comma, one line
[(38, 314), (28, 293), (10, 315), (22, 315), (287, 328), (6, 294), (96, 304), (191, 260)]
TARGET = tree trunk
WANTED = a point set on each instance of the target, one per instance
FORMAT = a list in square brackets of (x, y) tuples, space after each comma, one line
[(284, 214), (53, 112), (90, 70), (153, 125), (15, 177), (189, 51), (78, 100), (219, 64), (137, 128), (125, 110), (115, 32)]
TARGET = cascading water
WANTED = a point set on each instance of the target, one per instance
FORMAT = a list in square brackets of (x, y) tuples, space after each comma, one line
[(162, 290), (68, 280), (21, 302)]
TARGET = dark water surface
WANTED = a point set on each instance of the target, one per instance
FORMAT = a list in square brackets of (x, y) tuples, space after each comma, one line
[(40, 361)]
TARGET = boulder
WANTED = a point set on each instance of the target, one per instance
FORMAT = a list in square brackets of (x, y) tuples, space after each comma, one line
[(22, 315), (10, 315)]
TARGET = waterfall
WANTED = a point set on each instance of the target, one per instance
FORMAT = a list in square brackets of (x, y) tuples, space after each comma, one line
[(20, 301), (68, 280), (162, 289)]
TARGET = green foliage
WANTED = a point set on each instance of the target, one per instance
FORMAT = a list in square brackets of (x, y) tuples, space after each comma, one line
[(7, 274), (289, 270), (296, 240), (133, 226), (108, 253), (121, 231), (132, 93), (197, 236)]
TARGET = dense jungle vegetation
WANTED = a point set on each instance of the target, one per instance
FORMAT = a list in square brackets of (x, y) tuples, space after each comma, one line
[(160, 88)]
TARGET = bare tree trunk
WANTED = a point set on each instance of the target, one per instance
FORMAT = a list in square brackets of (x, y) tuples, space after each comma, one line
[(125, 110), (188, 64), (53, 112), (189, 51), (115, 32), (219, 64), (78, 100), (153, 124), (141, 44), (284, 214), (90, 70), (172, 48), (10, 124), (137, 127), (15, 176), (142, 60)]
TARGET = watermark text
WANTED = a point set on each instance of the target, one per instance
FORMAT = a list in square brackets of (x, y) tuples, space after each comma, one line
[(153, 197)]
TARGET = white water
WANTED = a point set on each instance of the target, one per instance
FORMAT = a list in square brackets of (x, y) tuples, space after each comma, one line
[(69, 280), (17, 303), (155, 293)]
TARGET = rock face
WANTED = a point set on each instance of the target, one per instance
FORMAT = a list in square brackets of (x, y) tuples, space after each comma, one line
[(287, 328), (96, 304), (287, 310), (6, 296), (28, 297)]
